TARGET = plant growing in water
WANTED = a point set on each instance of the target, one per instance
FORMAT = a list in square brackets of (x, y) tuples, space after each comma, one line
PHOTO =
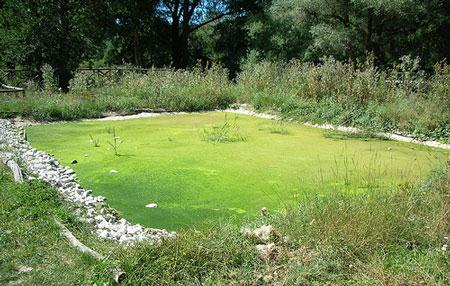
[(223, 133), (279, 127), (116, 142), (359, 135), (95, 141)]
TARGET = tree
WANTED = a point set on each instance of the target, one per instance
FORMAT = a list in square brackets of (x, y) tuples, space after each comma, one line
[(57, 32), (353, 28), (187, 16)]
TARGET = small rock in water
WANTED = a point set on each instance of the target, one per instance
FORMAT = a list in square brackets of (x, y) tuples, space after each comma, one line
[(151, 206), (74, 162), (114, 172)]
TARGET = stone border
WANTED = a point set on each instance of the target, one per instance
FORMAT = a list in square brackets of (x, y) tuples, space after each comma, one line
[(245, 110), (93, 209)]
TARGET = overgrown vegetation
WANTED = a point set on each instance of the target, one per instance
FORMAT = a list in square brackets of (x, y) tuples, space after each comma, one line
[(226, 132), (395, 237), (401, 99), (32, 250), (169, 90), (361, 135), (354, 94), (392, 238)]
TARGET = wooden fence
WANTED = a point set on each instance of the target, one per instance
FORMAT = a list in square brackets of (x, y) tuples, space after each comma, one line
[(20, 77)]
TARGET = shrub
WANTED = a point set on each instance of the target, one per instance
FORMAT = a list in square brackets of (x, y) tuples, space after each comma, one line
[(354, 94)]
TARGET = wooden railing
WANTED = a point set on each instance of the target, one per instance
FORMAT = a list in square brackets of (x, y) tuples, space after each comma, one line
[(20, 77)]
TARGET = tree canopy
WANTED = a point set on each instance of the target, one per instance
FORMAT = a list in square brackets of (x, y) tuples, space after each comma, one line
[(67, 34)]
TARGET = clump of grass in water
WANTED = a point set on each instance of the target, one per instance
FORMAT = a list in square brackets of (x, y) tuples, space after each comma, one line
[(360, 135), (279, 127), (223, 133), (95, 141)]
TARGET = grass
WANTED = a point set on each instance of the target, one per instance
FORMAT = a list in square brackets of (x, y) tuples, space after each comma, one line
[(353, 94), (226, 132), (164, 160), (377, 238), (168, 90), (30, 238)]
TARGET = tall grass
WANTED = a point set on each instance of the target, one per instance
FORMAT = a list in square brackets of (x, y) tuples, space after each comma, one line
[(374, 238), (90, 96), (371, 238), (399, 99), (402, 98)]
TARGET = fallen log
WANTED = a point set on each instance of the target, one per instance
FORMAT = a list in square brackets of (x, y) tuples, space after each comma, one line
[(118, 274)]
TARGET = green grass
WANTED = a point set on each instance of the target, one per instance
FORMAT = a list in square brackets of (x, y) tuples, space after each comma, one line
[(352, 94), (380, 238), (30, 238), (170, 90), (164, 160)]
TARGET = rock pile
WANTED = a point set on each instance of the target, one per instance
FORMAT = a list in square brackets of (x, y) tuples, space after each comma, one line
[(263, 236), (105, 220)]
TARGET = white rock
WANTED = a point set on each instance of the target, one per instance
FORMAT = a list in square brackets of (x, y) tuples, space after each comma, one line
[(262, 234), (24, 269), (265, 251), (151, 206)]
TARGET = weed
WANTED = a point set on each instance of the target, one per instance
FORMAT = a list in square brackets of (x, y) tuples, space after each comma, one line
[(223, 133), (360, 135), (279, 127), (361, 95), (116, 142), (95, 141)]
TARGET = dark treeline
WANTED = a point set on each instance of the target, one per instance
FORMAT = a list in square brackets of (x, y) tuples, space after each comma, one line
[(67, 34)]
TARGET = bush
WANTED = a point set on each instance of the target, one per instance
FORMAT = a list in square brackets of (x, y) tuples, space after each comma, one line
[(360, 95), (169, 90)]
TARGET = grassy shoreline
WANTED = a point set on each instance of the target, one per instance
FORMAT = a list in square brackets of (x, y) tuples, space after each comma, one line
[(403, 98), (384, 238)]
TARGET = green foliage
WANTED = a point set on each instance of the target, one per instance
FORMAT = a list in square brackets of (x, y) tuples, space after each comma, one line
[(226, 132), (60, 33), (348, 29), (361, 95), (170, 90), (30, 238), (49, 84)]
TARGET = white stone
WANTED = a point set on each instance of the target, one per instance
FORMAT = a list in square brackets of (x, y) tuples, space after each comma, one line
[(152, 206), (265, 251)]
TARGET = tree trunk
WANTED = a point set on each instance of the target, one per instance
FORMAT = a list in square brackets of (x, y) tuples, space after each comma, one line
[(180, 44), (137, 48), (369, 42)]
